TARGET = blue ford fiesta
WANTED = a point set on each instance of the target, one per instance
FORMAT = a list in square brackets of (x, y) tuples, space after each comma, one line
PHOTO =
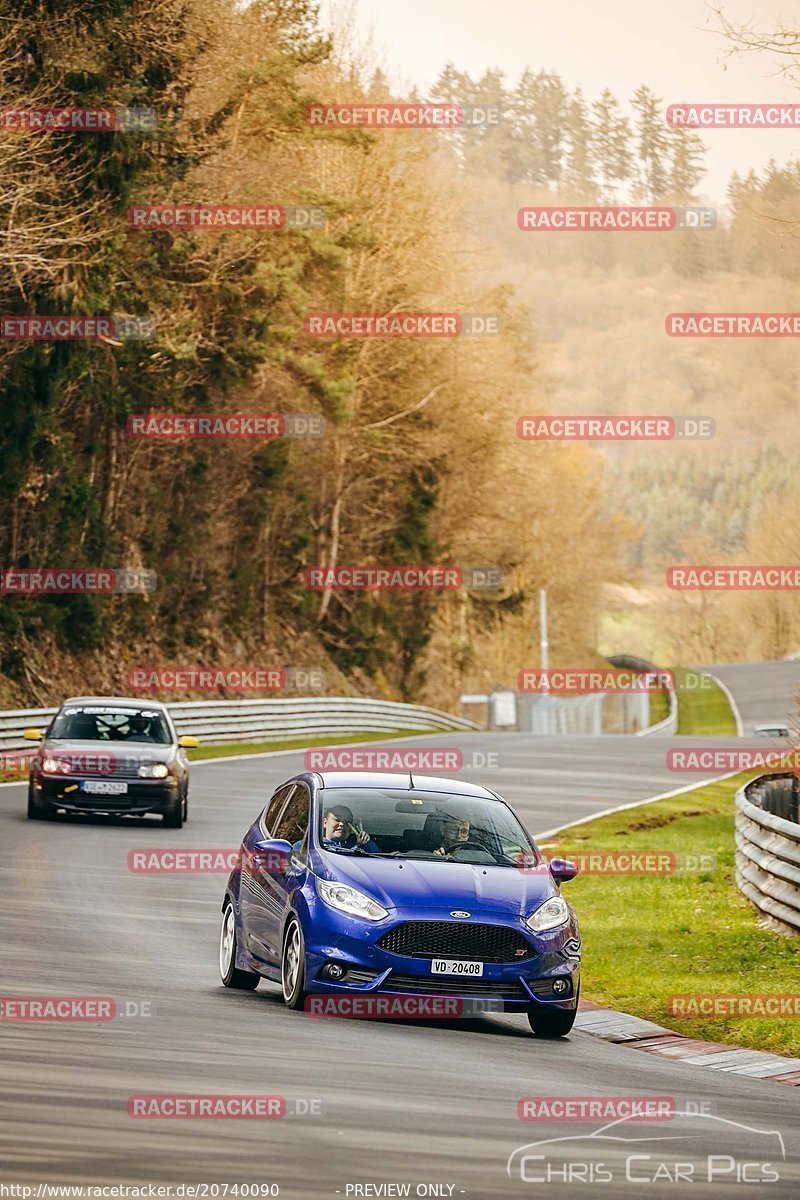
[(382, 883)]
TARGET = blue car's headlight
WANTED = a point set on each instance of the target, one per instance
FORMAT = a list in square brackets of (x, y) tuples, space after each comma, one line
[(349, 900), (552, 913)]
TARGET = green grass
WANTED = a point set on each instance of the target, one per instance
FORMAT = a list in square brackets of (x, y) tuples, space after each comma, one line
[(295, 744), (648, 937), (702, 709)]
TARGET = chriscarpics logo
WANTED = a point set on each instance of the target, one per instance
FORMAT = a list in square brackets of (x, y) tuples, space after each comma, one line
[(692, 1148)]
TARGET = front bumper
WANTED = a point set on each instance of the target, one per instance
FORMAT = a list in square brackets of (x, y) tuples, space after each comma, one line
[(142, 796), (351, 943)]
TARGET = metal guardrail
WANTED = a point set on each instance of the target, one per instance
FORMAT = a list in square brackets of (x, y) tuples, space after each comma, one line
[(666, 727), (592, 714), (767, 836), (218, 722)]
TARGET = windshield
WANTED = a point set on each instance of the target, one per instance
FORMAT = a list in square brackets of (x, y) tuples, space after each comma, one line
[(106, 723), (423, 825)]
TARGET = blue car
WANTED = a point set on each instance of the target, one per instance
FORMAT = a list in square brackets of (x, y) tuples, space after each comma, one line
[(365, 883)]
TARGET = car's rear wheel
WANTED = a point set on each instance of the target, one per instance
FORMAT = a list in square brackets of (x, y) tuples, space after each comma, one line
[(293, 965), (38, 810), (551, 1022), (232, 977)]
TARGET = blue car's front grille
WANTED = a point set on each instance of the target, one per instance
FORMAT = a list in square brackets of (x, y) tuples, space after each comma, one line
[(457, 939), (442, 985)]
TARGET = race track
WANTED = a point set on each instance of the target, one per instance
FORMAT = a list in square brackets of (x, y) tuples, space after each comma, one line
[(420, 1103), (763, 692)]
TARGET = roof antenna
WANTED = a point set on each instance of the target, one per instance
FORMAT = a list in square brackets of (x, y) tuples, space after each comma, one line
[(411, 780)]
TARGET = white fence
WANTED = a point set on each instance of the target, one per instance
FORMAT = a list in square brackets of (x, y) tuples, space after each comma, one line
[(219, 722), (768, 848)]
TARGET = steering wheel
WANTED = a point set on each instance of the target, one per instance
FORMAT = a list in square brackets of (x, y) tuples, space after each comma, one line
[(468, 843)]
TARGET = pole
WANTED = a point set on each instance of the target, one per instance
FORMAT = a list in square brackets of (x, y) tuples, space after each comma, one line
[(543, 643)]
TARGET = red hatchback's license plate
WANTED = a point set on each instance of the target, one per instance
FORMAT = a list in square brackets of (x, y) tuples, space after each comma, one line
[(456, 966)]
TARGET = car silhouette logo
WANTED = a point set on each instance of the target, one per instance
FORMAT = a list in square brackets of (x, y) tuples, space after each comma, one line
[(459, 912)]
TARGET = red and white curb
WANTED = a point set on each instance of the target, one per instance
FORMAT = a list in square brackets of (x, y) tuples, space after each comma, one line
[(644, 1035)]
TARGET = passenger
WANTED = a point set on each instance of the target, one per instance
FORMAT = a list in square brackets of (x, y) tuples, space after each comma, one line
[(338, 829)]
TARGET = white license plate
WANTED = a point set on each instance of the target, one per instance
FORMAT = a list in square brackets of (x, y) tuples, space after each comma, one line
[(456, 966), (104, 787)]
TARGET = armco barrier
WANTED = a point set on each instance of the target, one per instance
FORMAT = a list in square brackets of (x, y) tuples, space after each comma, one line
[(217, 722), (768, 848), (669, 725)]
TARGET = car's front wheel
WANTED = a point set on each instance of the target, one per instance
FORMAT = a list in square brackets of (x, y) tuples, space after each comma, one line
[(232, 977), (37, 809), (173, 814), (551, 1022), (293, 965)]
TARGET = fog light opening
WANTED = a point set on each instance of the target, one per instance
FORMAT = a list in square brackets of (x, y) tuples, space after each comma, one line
[(561, 987), (333, 971)]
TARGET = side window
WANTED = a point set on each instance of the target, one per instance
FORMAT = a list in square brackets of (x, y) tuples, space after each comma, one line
[(294, 821), (270, 817)]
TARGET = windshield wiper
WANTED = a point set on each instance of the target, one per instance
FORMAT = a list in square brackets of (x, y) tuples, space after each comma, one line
[(349, 850)]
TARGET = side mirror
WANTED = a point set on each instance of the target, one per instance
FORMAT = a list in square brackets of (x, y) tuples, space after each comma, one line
[(188, 742), (563, 870), (272, 855), (33, 735)]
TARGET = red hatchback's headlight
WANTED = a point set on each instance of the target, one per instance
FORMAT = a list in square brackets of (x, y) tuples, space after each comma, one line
[(56, 766)]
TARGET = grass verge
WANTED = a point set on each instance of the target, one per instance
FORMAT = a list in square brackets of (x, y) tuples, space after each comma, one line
[(648, 937), (702, 709)]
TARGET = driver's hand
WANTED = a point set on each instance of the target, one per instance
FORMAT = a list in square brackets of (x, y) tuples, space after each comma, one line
[(361, 836), (440, 852)]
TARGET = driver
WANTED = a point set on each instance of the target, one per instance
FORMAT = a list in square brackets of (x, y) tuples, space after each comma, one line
[(338, 829), (453, 829), (137, 726)]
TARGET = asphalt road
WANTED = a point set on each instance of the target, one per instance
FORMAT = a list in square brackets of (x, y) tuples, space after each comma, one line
[(763, 691), (423, 1104)]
